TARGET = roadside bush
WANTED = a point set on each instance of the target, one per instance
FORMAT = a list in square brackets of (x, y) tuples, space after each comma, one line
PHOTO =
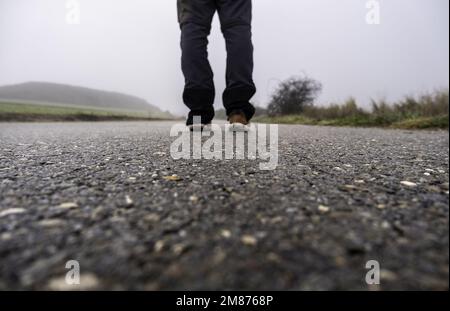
[(425, 111), (293, 96), (348, 110)]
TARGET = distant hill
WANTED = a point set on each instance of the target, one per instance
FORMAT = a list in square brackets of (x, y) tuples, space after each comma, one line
[(60, 94)]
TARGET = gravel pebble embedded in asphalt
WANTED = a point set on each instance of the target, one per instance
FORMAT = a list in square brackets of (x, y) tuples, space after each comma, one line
[(110, 196)]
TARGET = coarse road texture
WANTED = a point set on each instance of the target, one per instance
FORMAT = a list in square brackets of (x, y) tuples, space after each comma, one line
[(96, 193)]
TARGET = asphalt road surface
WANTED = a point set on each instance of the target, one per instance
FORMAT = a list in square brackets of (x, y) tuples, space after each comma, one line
[(104, 194)]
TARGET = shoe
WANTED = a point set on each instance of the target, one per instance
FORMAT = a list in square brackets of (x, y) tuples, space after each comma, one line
[(199, 127), (197, 122), (238, 121)]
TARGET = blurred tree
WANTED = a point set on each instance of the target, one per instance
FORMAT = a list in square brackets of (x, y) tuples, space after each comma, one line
[(293, 96)]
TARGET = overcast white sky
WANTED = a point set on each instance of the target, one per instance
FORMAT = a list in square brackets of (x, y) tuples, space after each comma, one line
[(132, 46)]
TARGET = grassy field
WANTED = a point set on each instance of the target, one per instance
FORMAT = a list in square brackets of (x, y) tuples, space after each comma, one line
[(10, 111), (437, 122), (430, 111)]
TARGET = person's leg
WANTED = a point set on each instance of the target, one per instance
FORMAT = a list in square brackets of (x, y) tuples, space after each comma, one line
[(195, 17), (235, 18)]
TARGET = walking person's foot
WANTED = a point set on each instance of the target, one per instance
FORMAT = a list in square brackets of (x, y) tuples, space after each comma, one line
[(198, 127), (238, 121), (198, 123)]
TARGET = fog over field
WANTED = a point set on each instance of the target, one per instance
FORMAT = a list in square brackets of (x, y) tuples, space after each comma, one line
[(133, 47)]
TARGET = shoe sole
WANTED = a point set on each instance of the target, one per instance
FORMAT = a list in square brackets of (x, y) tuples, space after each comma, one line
[(239, 127), (199, 127), (235, 127)]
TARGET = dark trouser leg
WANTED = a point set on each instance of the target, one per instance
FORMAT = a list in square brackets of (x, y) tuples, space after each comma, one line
[(195, 17), (235, 17)]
